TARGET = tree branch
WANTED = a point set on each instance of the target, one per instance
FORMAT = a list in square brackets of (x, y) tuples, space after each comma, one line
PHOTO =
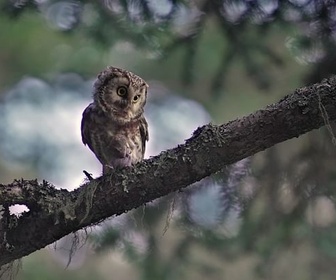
[(56, 213)]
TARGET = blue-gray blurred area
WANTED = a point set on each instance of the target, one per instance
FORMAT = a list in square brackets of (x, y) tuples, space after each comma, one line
[(271, 216), (40, 127)]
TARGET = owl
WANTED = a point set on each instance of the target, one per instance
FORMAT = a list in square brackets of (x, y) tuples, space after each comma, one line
[(113, 125)]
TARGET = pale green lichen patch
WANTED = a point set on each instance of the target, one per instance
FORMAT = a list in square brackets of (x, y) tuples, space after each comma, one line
[(85, 197)]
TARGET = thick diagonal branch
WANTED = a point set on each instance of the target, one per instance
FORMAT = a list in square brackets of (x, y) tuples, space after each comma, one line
[(209, 149)]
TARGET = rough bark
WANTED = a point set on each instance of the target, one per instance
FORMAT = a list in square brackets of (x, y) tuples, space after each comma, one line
[(56, 213)]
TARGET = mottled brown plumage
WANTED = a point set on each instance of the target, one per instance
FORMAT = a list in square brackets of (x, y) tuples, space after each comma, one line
[(113, 125)]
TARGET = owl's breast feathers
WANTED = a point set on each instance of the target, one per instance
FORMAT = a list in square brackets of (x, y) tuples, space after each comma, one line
[(111, 141)]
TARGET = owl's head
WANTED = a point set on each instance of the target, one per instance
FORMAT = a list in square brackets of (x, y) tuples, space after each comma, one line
[(120, 93)]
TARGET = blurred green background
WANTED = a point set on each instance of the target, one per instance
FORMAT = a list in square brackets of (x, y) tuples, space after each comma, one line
[(271, 216)]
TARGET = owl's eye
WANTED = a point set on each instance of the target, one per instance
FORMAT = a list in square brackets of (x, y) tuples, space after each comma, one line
[(122, 91), (136, 98)]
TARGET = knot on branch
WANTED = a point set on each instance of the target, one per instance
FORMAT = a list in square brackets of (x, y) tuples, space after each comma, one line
[(36, 196)]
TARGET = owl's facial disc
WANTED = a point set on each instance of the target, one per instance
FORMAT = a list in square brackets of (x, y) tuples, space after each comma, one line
[(120, 94), (130, 105)]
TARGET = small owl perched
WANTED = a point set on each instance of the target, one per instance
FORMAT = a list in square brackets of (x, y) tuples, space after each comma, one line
[(113, 125)]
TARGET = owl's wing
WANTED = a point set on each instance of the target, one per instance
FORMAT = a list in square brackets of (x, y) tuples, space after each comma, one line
[(86, 124), (106, 147), (143, 133)]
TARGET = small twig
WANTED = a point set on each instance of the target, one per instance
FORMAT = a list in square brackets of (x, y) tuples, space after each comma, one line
[(88, 175)]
